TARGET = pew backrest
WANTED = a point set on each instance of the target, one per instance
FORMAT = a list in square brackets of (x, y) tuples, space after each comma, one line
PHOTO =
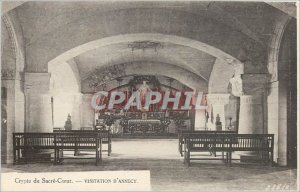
[(182, 134), (54, 140), (104, 134), (230, 142)]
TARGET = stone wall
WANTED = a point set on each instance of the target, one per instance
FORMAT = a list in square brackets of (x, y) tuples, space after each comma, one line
[(12, 66)]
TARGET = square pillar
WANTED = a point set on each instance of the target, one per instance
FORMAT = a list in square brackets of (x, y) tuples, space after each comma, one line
[(12, 114), (38, 103)]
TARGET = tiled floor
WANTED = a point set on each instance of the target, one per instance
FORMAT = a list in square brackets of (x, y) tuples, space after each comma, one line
[(168, 172)]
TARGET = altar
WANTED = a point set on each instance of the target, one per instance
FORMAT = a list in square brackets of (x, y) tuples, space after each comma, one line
[(146, 123), (144, 126), (140, 117)]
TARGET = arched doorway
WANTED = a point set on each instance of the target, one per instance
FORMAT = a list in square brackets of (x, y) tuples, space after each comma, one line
[(282, 99), (288, 73)]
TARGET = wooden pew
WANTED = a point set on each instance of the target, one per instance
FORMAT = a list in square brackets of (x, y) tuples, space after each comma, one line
[(23, 142), (228, 143), (183, 133), (105, 135)]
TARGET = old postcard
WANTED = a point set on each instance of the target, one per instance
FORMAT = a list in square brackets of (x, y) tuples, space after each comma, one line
[(149, 95)]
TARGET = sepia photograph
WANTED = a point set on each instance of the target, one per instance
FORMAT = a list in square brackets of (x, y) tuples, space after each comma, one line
[(149, 95)]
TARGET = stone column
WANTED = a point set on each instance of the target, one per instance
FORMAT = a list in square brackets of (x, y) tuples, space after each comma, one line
[(38, 103), (218, 103), (251, 103), (251, 116)]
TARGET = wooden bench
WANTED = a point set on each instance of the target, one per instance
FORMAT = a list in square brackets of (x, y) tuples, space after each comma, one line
[(105, 136), (23, 142), (183, 133), (228, 143)]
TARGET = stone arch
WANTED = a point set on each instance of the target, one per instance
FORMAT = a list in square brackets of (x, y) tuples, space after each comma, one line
[(40, 45), (220, 76), (145, 36), (223, 58), (274, 46), (11, 80), (278, 99), (185, 57), (11, 33), (13, 28)]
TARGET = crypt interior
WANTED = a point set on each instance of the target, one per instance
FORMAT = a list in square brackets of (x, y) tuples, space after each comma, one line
[(241, 55)]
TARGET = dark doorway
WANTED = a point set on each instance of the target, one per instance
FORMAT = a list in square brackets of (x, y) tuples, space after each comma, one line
[(291, 36), (3, 124)]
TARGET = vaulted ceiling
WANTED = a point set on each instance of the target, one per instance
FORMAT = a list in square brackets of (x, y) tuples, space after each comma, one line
[(193, 36), (188, 58)]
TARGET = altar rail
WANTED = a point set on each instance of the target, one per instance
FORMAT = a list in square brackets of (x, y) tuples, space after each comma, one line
[(105, 136), (183, 133), (24, 142), (261, 143)]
